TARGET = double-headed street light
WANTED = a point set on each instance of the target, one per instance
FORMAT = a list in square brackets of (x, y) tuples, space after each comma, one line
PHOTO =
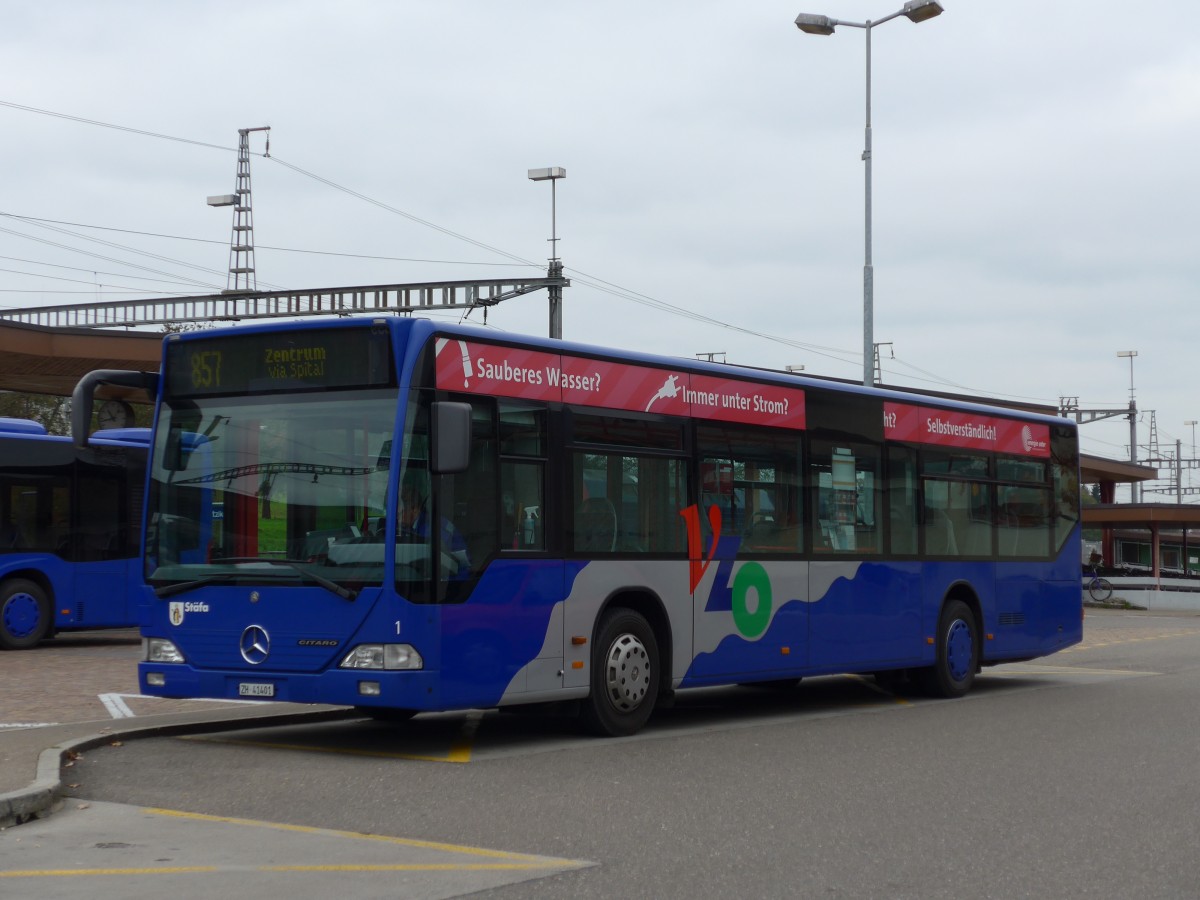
[(915, 11)]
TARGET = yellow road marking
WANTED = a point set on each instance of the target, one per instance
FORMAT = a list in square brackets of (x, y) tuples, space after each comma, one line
[(208, 870), (1094, 645), (498, 860), (49, 873), (381, 838)]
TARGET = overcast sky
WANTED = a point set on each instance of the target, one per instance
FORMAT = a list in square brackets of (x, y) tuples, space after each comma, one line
[(1035, 176)]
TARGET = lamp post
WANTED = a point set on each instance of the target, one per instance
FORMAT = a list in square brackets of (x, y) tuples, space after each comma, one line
[(1191, 422), (1133, 486), (552, 174), (915, 11)]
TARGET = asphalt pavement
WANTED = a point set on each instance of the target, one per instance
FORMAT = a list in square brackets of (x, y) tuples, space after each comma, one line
[(79, 691)]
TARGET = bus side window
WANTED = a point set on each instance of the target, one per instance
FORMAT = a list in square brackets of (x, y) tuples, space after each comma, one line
[(902, 501), (847, 495), (753, 477), (466, 506), (522, 476), (10, 536)]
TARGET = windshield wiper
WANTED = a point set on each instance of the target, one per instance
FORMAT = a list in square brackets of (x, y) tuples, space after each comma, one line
[(344, 592), (180, 587)]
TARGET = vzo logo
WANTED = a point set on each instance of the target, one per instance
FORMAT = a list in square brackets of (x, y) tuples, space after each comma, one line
[(751, 577)]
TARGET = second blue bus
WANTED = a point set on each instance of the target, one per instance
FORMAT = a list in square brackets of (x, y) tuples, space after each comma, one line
[(70, 531)]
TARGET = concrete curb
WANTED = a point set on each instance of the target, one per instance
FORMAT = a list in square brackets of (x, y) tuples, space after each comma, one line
[(44, 795)]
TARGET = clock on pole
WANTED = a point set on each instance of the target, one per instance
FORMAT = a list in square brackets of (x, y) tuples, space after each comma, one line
[(114, 414)]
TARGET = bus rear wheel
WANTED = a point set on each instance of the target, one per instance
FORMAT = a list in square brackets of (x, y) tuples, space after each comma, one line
[(625, 675), (25, 615), (953, 672)]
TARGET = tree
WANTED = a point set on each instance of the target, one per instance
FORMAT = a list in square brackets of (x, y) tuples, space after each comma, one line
[(53, 413)]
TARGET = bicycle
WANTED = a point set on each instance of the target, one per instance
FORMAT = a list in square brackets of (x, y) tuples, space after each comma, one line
[(1099, 588)]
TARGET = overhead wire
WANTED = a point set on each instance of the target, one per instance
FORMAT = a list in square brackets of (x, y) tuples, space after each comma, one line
[(106, 258), (125, 128), (596, 283), (36, 262), (257, 247), (124, 247)]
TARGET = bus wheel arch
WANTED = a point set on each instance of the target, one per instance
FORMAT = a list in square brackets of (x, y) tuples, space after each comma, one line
[(629, 659), (958, 645), (26, 612)]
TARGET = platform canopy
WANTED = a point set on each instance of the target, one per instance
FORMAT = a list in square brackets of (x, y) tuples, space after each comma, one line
[(39, 360)]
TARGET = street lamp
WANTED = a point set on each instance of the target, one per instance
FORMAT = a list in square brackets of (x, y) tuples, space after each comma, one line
[(915, 11), (1133, 486), (552, 174), (1191, 422)]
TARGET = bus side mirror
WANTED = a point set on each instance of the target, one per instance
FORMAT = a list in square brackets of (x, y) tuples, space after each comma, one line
[(85, 391), (451, 437)]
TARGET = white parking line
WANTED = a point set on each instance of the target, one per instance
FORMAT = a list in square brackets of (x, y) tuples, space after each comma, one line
[(119, 709), (17, 726), (116, 705)]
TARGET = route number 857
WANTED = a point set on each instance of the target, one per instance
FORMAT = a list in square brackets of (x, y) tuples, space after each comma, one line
[(206, 369)]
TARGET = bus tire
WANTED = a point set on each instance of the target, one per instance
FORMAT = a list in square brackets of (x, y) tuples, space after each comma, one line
[(25, 614), (957, 641), (625, 675)]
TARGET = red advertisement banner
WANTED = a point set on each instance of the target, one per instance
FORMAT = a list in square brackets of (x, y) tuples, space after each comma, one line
[(922, 425), (536, 375), (747, 402)]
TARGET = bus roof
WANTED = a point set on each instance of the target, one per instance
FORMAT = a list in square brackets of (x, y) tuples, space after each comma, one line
[(419, 330)]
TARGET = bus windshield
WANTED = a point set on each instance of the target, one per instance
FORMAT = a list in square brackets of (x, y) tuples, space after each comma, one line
[(254, 490)]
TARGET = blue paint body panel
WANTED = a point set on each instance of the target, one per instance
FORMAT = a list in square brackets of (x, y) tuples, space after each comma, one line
[(524, 632)]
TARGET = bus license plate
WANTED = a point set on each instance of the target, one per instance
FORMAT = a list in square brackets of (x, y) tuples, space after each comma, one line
[(255, 689)]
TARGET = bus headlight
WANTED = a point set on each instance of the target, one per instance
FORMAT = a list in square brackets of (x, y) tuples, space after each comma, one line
[(160, 650), (383, 656)]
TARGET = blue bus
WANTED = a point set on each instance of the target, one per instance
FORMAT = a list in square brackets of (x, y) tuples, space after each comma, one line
[(420, 517), (70, 531)]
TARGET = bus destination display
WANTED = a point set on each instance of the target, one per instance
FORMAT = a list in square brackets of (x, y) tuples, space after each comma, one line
[(279, 361)]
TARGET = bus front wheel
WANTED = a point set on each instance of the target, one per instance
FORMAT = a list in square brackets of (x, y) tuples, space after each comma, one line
[(25, 615), (957, 661), (625, 675)]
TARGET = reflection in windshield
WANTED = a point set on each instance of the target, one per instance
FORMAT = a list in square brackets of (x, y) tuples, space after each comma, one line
[(292, 478), (178, 587)]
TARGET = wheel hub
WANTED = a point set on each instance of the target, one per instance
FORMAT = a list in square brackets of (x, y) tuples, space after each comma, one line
[(960, 650), (21, 615), (627, 673)]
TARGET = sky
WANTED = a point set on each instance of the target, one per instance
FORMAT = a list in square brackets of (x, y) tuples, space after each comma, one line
[(1034, 175)]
